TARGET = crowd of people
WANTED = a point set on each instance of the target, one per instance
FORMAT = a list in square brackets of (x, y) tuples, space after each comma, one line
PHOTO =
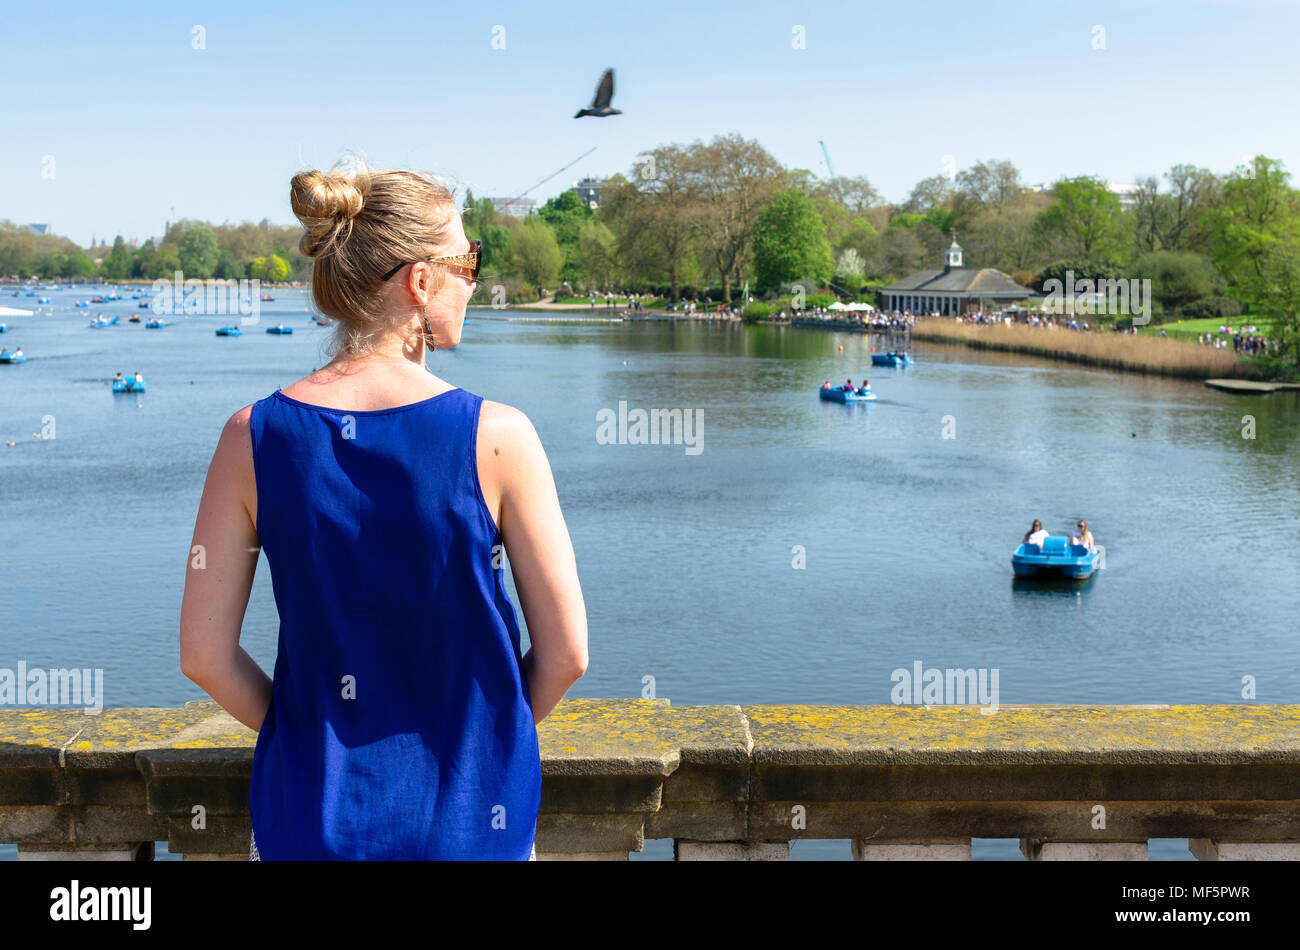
[(875, 319), (1247, 341)]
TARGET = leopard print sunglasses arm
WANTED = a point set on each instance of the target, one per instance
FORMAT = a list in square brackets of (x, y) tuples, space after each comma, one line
[(471, 261)]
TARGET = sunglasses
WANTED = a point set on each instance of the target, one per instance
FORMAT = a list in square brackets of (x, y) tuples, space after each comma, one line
[(470, 261)]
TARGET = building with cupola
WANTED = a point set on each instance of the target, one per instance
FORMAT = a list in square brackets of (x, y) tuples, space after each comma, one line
[(954, 290)]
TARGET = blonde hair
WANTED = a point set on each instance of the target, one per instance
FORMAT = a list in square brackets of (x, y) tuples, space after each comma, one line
[(360, 224)]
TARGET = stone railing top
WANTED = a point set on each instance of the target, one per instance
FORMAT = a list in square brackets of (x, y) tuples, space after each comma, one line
[(1023, 734), (653, 737)]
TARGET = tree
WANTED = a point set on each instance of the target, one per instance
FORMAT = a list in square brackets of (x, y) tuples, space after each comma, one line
[(537, 253), (498, 247), (566, 213), (928, 194), (1079, 268), (835, 216), (118, 264), (854, 194), (228, 268), (1164, 220), (1258, 213), (1084, 214), (277, 269), (1003, 236), (660, 212), (906, 219), (989, 184), (984, 189), (734, 178), (790, 242), (849, 269), (77, 265), (482, 223), (198, 252), (901, 253), (1177, 277), (144, 260), (597, 257), (1280, 290)]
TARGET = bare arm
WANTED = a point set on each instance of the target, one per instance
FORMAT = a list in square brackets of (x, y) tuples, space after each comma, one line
[(219, 577), (520, 492)]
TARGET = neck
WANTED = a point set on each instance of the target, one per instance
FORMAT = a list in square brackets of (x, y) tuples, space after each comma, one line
[(405, 344)]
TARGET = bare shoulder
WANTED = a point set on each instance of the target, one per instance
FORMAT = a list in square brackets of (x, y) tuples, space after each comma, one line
[(503, 428), (511, 460), (234, 454), (237, 431)]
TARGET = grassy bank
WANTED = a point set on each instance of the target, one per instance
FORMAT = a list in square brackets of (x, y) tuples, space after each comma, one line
[(614, 303), (1190, 329), (1141, 354)]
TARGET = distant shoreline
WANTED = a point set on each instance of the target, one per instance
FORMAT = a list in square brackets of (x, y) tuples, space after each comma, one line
[(1102, 349)]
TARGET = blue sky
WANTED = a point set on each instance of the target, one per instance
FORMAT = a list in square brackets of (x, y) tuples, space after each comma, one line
[(139, 122)]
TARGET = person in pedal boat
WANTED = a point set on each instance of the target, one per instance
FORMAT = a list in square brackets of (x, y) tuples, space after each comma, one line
[(1036, 534)]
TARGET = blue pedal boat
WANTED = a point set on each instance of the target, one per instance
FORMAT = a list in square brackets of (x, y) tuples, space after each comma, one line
[(13, 358), (890, 359), (128, 386), (230, 331), (839, 394), (282, 331), (1057, 557), (154, 325)]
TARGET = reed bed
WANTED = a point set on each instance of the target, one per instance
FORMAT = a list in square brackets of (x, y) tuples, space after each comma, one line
[(1104, 348)]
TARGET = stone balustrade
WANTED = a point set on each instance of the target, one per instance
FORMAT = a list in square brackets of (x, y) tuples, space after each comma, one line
[(724, 782)]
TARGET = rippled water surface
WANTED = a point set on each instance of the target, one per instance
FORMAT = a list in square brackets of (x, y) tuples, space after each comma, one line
[(687, 560)]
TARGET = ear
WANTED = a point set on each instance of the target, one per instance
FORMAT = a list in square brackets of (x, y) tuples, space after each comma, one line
[(418, 282)]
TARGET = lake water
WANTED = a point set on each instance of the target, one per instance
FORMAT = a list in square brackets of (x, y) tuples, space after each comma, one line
[(690, 562)]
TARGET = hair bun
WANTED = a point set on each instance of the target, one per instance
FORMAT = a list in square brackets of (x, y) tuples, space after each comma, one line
[(326, 203)]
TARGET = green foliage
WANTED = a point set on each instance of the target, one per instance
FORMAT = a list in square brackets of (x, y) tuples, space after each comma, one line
[(1087, 215), (498, 246), (941, 218), (1215, 308), (117, 266), (198, 252), (907, 219), (1280, 292), (1177, 277), (1082, 268), (755, 312), (537, 253), (597, 255), (565, 214), (790, 241), (1258, 215), (228, 268), (270, 269)]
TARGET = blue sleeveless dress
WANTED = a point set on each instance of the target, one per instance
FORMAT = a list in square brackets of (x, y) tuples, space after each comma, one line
[(400, 725)]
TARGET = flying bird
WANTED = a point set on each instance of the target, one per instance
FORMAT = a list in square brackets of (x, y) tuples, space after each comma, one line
[(600, 106)]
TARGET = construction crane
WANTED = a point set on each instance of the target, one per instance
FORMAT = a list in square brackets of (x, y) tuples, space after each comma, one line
[(829, 167), (548, 177)]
